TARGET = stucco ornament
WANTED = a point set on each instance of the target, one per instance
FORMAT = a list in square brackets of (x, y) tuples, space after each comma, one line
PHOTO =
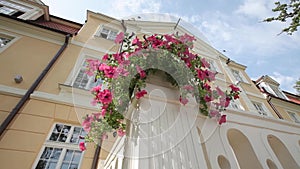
[(124, 74)]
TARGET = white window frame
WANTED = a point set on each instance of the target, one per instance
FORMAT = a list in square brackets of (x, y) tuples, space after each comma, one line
[(238, 76), (81, 71), (236, 105), (110, 35), (61, 145), (13, 38), (213, 65), (260, 108), (294, 116), (277, 92)]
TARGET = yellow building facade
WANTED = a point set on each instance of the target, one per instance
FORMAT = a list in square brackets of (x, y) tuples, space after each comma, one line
[(44, 94)]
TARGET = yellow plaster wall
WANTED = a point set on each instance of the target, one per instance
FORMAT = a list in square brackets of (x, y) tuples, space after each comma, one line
[(7, 103), (26, 57)]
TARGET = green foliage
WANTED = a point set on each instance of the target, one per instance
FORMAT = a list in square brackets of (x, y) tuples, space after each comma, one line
[(297, 86), (287, 12)]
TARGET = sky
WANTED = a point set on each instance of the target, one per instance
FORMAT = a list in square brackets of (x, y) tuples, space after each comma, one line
[(234, 26)]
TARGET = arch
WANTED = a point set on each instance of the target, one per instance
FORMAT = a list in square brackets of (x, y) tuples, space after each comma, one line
[(223, 162), (282, 153), (271, 164), (243, 150)]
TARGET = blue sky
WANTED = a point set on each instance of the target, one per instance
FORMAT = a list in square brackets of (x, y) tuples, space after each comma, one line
[(235, 27)]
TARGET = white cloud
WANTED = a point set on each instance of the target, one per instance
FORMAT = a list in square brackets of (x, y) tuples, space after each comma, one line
[(286, 82), (254, 8)]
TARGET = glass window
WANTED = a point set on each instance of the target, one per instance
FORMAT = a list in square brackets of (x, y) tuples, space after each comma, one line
[(259, 108), (107, 33), (57, 155), (277, 91), (213, 66), (5, 40), (237, 75), (84, 81), (294, 117)]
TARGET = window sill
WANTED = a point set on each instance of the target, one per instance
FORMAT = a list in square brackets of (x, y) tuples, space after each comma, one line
[(71, 89)]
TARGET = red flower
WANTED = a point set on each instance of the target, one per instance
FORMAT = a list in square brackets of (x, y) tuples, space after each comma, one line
[(204, 63), (207, 98), (119, 37), (222, 119), (141, 72), (140, 94), (86, 124), (105, 96), (234, 88), (184, 101), (82, 146), (108, 70), (120, 132)]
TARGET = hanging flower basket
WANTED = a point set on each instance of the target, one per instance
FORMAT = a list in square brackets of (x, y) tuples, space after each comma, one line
[(129, 69)]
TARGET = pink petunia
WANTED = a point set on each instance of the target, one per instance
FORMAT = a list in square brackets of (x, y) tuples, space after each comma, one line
[(222, 119), (183, 101), (121, 132), (82, 146), (214, 113), (204, 63), (141, 72), (108, 70), (234, 88), (189, 88), (140, 94), (86, 124), (119, 38), (105, 96)]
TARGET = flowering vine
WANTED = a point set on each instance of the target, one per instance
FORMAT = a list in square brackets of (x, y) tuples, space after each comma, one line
[(138, 54)]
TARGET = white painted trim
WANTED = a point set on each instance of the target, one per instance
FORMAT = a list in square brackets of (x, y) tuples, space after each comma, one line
[(12, 91), (15, 38), (87, 46)]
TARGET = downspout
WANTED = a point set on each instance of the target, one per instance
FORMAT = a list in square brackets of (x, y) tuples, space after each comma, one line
[(98, 148), (273, 107), (26, 97)]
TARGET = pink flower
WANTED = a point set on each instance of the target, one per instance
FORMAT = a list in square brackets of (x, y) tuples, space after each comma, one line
[(204, 63), (141, 72), (206, 86), (234, 88), (186, 38), (104, 136), (189, 88), (86, 124), (105, 96), (222, 119), (137, 42), (207, 98), (220, 92), (120, 132), (236, 96), (201, 74), (105, 57), (140, 94), (214, 113), (92, 66), (103, 112), (82, 146), (184, 101), (119, 37), (108, 70)]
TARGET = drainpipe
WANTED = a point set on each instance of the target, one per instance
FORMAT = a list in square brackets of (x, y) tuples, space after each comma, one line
[(273, 107), (26, 97)]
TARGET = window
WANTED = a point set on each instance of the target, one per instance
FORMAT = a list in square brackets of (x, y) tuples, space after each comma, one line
[(107, 33), (84, 81), (277, 91), (294, 117), (259, 108), (237, 75), (213, 66), (12, 9), (5, 40), (61, 150)]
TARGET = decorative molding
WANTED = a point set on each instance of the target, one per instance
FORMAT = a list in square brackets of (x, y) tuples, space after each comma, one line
[(12, 91)]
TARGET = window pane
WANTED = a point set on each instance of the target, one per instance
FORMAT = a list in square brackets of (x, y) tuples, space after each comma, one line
[(68, 155), (65, 166), (74, 166), (64, 134), (112, 35), (52, 165), (41, 164), (47, 152), (77, 156), (56, 131), (56, 153)]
